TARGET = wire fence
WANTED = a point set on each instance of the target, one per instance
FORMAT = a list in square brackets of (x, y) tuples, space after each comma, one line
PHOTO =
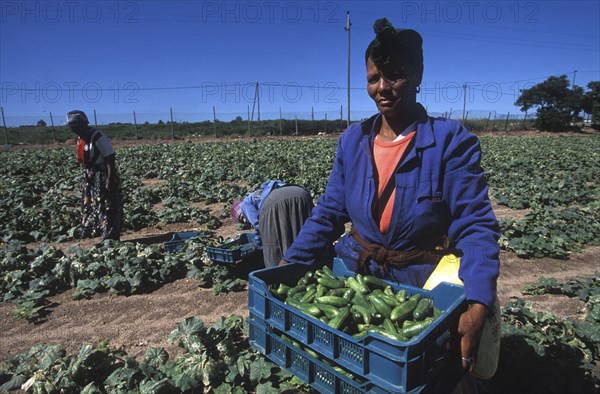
[(51, 128)]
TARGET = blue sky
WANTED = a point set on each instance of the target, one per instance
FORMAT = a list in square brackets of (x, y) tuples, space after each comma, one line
[(117, 57)]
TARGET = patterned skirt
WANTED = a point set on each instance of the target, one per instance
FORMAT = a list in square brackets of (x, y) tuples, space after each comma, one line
[(101, 211)]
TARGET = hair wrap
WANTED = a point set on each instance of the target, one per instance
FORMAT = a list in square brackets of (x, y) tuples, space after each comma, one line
[(396, 49), (77, 117)]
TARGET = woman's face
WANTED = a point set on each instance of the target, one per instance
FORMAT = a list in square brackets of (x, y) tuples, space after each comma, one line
[(393, 92)]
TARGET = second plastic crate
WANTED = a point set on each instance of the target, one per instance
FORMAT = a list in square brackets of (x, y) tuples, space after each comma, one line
[(241, 248), (177, 240)]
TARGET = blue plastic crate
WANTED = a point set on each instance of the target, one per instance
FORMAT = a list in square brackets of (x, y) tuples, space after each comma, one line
[(224, 254), (395, 366), (177, 240), (316, 373)]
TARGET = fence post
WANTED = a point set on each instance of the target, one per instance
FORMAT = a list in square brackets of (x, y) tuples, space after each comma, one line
[(280, 128), (524, 119), (341, 117), (325, 122), (53, 129), (312, 116), (135, 126), (215, 121), (450, 113), (5, 129), (296, 124), (172, 128), (488, 121), (95, 121), (248, 133), (506, 123)]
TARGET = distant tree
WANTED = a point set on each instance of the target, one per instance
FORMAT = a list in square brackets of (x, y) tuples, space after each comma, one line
[(41, 123), (161, 122), (590, 102), (557, 106), (239, 119)]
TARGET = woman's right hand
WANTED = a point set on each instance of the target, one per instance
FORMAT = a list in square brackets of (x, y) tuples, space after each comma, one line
[(282, 262)]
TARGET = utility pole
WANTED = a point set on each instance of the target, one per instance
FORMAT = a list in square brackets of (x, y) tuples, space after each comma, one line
[(258, 101), (254, 103), (5, 129), (573, 84), (134, 124), (347, 28), (464, 101)]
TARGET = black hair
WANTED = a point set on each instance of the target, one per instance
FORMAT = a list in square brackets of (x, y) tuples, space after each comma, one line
[(396, 48)]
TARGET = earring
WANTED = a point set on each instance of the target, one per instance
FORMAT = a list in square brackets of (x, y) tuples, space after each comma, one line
[(418, 89)]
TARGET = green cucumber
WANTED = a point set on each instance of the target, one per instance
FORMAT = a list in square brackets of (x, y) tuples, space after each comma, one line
[(295, 290), (375, 282), (331, 283), (330, 311), (332, 300), (403, 311), (327, 271), (321, 290), (309, 277), (401, 295), (417, 328), (352, 283), (339, 322), (309, 296), (408, 323), (390, 300), (312, 353), (282, 289), (364, 312), (304, 307), (389, 326), (360, 335), (361, 282), (336, 292), (381, 331), (348, 294), (423, 309), (380, 305), (343, 372)]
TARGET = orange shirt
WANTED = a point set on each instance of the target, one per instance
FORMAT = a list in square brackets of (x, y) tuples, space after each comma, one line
[(386, 155), (80, 149)]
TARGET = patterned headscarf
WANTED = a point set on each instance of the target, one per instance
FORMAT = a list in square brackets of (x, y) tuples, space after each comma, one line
[(236, 211)]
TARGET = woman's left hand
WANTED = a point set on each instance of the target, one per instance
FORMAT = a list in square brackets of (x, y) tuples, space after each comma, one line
[(470, 326)]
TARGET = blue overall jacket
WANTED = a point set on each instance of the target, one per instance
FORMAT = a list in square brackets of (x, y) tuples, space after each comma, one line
[(441, 190)]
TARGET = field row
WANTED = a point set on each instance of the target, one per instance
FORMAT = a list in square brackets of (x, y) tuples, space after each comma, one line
[(554, 178)]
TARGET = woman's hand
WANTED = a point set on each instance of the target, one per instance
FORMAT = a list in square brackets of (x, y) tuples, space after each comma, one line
[(282, 262), (470, 326)]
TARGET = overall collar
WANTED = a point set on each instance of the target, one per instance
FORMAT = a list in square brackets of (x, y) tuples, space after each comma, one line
[(423, 138)]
